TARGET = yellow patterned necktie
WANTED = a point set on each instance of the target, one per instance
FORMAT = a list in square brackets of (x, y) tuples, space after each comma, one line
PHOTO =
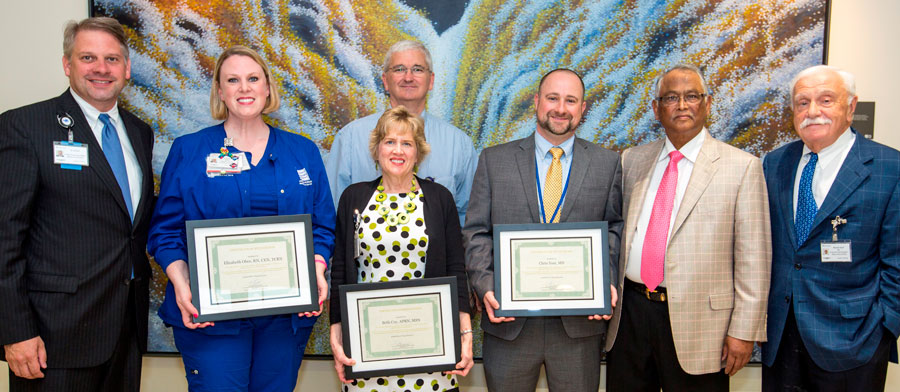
[(553, 186)]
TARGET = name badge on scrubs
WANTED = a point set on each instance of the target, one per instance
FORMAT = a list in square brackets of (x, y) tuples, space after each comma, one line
[(70, 155), (222, 164), (836, 251)]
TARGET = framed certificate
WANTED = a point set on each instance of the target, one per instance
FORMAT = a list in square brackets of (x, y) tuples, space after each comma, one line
[(401, 327), (557, 269), (247, 267)]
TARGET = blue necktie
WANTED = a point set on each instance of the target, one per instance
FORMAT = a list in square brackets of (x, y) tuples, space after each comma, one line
[(112, 148), (806, 203)]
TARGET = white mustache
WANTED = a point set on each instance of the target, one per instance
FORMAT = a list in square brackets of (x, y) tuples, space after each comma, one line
[(814, 121)]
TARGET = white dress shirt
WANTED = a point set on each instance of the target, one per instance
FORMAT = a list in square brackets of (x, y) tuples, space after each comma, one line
[(831, 159), (690, 151), (132, 168)]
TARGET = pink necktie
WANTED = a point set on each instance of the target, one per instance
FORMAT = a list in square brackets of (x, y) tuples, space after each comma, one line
[(653, 255)]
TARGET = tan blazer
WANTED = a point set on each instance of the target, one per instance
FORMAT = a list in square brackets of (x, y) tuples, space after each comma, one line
[(718, 256)]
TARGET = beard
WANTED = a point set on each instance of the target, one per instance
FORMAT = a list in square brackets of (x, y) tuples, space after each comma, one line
[(556, 129)]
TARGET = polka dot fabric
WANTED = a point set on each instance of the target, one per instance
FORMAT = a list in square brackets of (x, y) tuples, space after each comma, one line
[(395, 253)]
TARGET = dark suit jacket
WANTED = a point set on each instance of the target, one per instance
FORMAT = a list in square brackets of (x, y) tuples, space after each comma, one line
[(444, 256), (842, 309), (504, 192), (68, 245)]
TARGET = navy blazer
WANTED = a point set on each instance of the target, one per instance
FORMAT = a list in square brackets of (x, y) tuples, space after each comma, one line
[(842, 309)]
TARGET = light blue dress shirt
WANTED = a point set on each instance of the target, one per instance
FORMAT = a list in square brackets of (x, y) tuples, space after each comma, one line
[(451, 162), (544, 158)]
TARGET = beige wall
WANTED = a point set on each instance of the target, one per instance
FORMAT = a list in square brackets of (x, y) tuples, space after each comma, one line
[(859, 41)]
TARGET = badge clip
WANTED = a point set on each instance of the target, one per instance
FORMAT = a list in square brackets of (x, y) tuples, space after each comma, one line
[(357, 220), (66, 121), (837, 221)]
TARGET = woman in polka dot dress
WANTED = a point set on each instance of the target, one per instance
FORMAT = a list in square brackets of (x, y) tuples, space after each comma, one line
[(408, 228)]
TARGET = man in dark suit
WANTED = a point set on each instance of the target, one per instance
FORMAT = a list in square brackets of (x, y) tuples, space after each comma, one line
[(77, 199), (834, 197), (505, 191)]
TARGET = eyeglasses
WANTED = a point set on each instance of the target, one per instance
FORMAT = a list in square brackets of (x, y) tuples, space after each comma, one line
[(417, 70), (673, 99)]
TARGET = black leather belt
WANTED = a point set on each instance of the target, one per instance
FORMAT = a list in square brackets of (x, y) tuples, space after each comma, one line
[(658, 295)]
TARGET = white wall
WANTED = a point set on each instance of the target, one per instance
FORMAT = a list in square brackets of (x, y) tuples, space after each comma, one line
[(859, 41)]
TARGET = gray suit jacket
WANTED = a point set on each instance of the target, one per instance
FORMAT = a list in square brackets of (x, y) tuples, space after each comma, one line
[(504, 192)]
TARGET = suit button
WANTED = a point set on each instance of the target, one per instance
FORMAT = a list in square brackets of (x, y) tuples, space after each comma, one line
[(787, 299), (126, 281), (797, 266)]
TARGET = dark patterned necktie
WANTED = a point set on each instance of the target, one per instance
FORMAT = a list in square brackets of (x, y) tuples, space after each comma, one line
[(806, 203)]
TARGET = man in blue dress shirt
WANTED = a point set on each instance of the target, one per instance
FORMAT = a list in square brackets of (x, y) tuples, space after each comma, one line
[(407, 77)]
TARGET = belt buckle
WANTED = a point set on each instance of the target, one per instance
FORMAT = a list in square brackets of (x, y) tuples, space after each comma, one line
[(662, 296)]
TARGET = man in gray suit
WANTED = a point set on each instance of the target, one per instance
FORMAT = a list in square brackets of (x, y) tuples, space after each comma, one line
[(507, 183)]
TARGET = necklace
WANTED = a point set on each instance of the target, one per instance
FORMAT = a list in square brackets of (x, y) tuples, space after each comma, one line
[(401, 217)]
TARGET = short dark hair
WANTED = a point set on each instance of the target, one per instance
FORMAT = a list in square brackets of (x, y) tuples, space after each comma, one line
[(541, 84), (98, 23)]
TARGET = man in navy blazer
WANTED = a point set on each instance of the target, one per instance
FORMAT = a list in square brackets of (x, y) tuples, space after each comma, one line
[(77, 199), (834, 198)]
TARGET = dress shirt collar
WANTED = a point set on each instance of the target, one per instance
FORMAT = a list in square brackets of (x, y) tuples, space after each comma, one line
[(690, 150), (92, 114), (835, 150), (542, 146)]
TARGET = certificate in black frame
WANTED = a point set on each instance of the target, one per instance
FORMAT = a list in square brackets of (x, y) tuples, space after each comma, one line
[(298, 226), (598, 297), (352, 330)]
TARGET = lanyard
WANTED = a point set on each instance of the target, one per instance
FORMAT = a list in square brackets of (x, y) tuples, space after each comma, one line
[(562, 197)]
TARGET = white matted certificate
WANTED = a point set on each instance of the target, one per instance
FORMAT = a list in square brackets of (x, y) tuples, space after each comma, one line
[(557, 269), (400, 327), (247, 267)]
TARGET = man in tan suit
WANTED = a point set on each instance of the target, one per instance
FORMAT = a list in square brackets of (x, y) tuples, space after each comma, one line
[(694, 265)]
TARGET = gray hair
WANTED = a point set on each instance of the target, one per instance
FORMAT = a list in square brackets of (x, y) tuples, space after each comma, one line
[(846, 77), (402, 46), (682, 67)]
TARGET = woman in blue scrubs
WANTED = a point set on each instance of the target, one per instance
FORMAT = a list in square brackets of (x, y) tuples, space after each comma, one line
[(278, 173)]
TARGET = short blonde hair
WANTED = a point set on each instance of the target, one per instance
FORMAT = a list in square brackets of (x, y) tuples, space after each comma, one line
[(400, 119), (99, 23), (216, 107)]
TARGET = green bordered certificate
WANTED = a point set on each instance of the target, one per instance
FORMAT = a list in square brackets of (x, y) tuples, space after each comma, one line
[(556, 269), (401, 327), (247, 267)]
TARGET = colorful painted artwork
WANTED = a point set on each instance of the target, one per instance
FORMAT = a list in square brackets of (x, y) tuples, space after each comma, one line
[(488, 58)]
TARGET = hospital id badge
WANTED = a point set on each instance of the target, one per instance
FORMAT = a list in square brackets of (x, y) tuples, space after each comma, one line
[(70, 155), (217, 165), (836, 251)]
